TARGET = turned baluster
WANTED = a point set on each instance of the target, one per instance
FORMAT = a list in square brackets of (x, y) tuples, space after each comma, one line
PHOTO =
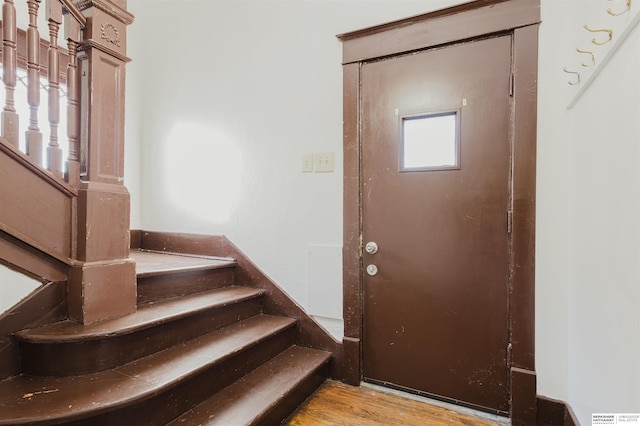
[(54, 153), (72, 34), (33, 135), (9, 64)]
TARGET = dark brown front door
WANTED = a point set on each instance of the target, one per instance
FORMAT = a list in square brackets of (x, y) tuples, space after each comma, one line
[(436, 194)]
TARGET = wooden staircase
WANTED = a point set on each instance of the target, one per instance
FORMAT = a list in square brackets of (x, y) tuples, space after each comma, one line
[(200, 350), (196, 339)]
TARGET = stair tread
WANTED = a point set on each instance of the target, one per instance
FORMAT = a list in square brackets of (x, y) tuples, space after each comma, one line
[(250, 397), (30, 398), (151, 263), (146, 316)]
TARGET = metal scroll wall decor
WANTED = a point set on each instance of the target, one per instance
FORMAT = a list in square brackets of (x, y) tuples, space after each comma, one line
[(598, 42)]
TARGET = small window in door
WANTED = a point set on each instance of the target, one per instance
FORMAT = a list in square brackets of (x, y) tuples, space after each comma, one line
[(430, 142)]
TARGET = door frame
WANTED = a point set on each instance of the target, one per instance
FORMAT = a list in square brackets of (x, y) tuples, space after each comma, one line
[(478, 19)]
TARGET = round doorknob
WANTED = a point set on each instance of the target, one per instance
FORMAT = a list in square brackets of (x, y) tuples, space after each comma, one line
[(371, 247), (372, 270)]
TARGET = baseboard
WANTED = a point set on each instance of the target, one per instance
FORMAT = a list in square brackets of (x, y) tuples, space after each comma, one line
[(570, 418), (135, 236), (553, 412)]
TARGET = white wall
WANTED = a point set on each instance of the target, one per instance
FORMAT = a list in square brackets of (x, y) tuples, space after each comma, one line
[(553, 173), (133, 163), (604, 267), (14, 287), (588, 245), (604, 289), (234, 92)]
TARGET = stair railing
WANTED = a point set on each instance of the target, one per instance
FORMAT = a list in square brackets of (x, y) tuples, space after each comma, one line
[(57, 12), (84, 221)]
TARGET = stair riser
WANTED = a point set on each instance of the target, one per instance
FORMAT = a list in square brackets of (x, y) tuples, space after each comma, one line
[(287, 406), (162, 408), (159, 287), (267, 395), (62, 359)]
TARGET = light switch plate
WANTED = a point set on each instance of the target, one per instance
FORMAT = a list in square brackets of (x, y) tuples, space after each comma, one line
[(307, 163), (323, 162)]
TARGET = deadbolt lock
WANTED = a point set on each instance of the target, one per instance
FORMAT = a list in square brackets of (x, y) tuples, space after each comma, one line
[(372, 270)]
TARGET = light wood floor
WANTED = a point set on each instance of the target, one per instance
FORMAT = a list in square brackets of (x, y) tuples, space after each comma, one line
[(338, 404)]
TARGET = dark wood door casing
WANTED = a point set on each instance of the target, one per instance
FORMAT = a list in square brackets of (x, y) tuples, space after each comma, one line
[(520, 19)]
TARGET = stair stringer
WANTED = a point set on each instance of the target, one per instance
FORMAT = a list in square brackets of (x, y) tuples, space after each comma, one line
[(45, 305), (38, 208), (30, 261)]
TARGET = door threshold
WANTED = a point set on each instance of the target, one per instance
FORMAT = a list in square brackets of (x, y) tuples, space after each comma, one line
[(504, 421)]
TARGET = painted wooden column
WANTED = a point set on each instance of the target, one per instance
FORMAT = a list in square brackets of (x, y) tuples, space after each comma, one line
[(103, 283)]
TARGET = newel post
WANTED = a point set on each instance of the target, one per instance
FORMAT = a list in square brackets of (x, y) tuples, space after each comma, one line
[(103, 283)]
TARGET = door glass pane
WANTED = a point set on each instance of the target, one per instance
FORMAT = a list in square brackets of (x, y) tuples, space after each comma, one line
[(429, 142)]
